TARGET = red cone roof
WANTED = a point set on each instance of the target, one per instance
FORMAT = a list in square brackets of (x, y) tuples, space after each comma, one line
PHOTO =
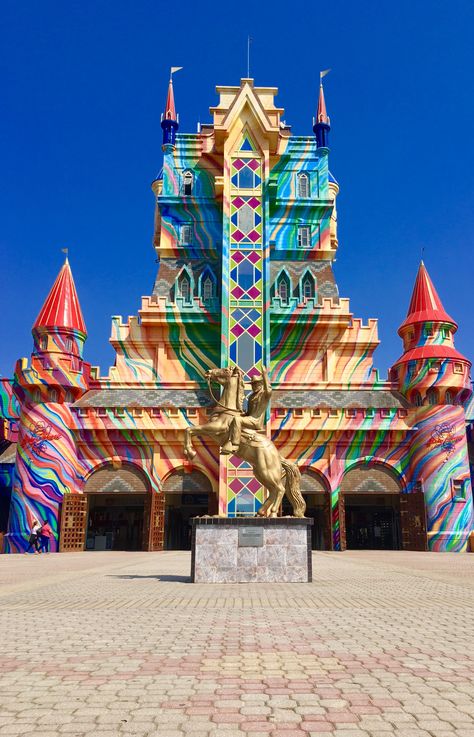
[(425, 304), (61, 308), (170, 111), (322, 116)]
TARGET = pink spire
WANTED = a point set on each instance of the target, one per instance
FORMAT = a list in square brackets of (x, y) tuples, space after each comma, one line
[(322, 116), (170, 111), (61, 308), (425, 304)]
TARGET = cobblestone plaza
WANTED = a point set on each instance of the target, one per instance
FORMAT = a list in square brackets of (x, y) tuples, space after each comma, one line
[(113, 643)]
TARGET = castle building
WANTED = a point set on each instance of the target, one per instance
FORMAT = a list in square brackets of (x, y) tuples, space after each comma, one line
[(245, 236)]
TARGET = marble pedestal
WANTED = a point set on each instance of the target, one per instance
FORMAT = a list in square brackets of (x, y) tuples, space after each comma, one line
[(251, 549)]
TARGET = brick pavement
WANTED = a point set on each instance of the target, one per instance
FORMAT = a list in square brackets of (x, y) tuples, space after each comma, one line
[(112, 644)]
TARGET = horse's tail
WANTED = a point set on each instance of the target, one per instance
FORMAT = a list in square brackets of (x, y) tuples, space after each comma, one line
[(292, 487)]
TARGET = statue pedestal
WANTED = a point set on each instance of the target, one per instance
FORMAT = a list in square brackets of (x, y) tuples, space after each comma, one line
[(251, 549)]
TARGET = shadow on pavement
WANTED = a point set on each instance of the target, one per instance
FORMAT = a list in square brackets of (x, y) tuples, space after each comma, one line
[(158, 577)]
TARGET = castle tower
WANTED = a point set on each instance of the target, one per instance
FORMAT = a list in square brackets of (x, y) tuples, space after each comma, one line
[(322, 124), (434, 376), (169, 119), (45, 390)]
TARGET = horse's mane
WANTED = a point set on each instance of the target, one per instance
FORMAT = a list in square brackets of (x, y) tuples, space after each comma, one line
[(240, 392)]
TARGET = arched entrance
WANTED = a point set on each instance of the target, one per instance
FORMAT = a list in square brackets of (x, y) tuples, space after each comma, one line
[(117, 500), (186, 495), (318, 506), (370, 496)]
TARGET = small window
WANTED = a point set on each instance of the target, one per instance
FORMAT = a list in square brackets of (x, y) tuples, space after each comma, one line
[(280, 412), (298, 413), (101, 411), (119, 412), (435, 366), (410, 336), (173, 412), (69, 396), (308, 287), (449, 397), (192, 412), (445, 332), (432, 397), (282, 290), (411, 370), (207, 289), (417, 399), (458, 368), (37, 395), (68, 344), (350, 412), (155, 412), (185, 288), (385, 413), (304, 237), (333, 412), (303, 185), (186, 235), (43, 343), (458, 490), (402, 413), (316, 412), (188, 183), (370, 412), (429, 332), (53, 395)]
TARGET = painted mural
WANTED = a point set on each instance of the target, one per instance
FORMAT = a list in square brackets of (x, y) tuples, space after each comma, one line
[(245, 236)]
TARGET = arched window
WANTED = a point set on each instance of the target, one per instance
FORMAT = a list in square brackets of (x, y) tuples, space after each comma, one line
[(184, 285), (303, 185), (43, 343), (308, 287), (69, 345), (417, 399), (432, 396), (69, 396), (53, 395), (188, 183), (37, 395), (207, 289), (449, 397), (283, 290)]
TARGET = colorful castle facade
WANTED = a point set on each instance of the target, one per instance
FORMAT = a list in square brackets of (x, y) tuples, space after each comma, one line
[(245, 236)]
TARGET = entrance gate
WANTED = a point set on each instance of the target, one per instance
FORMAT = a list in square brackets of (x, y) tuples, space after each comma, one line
[(186, 495)]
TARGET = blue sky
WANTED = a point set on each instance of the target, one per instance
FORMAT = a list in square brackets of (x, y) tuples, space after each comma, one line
[(83, 85)]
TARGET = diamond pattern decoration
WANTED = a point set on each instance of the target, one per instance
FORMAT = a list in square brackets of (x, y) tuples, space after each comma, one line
[(246, 173), (246, 220)]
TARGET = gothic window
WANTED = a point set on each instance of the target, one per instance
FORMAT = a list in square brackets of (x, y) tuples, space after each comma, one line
[(53, 395), (186, 235), (37, 395), (188, 183), (308, 290), (432, 396), (43, 342), (283, 288), (449, 397), (207, 289), (69, 397), (184, 286), (303, 185), (417, 399), (304, 236)]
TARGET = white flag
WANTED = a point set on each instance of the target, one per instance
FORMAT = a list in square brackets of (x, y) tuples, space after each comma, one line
[(323, 74), (175, 69)]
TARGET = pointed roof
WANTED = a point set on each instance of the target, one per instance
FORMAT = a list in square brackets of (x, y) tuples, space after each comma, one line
[(425, 304), (170, 110), (61, 308), (322, 116)]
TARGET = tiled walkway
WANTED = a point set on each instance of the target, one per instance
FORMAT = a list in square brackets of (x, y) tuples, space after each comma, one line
[(108, 644)]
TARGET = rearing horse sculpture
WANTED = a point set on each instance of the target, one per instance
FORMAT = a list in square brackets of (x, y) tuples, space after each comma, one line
[(276, 474)]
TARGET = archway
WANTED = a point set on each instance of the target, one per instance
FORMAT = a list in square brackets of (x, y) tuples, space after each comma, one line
[(117, 509), (186, 495), (370, 496), (318, 506)]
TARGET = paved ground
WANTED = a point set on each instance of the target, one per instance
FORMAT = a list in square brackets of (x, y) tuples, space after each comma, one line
[(112, 644)]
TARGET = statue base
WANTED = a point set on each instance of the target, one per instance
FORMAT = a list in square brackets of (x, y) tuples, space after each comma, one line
[(251, 549)]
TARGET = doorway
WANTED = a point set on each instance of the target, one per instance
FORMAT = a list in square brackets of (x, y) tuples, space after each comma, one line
[(373, 521), (115, 522), (187, 495)]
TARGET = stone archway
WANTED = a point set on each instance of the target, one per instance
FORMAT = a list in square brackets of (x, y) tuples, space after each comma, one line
[(318, 506), (186, 495), (113, 513), (374, 511)]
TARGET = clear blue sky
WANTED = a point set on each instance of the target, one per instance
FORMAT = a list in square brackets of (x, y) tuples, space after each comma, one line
[(83, 85)]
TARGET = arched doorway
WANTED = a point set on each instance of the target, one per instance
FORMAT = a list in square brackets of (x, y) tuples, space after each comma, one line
[(370, 496), (318, 506), (186, 495), (116, 503)]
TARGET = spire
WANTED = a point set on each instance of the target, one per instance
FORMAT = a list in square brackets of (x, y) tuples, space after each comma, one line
[(61, 308), (322, 125), (425, 304), (169, 119)]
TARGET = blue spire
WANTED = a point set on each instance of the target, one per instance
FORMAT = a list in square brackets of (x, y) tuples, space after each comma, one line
[(322, 124), (169, 119)]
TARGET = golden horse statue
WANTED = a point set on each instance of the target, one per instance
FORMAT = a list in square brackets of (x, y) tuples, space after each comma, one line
[(239, 433)]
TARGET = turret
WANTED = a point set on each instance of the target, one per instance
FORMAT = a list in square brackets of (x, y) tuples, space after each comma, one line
[(322, 124), (169, 119), (430, 370)]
